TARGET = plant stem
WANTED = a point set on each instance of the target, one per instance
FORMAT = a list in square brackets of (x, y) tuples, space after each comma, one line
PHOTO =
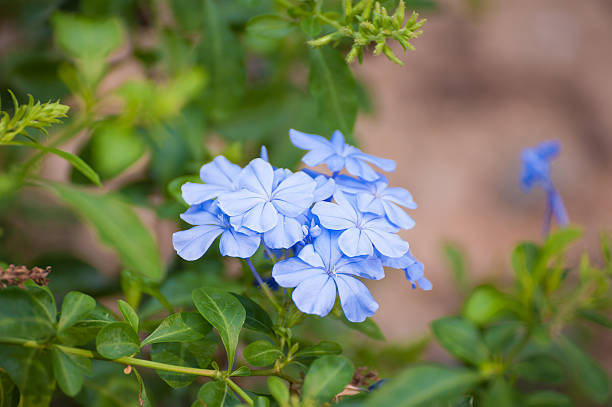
[(273, 372), (239, 391), (264, 287)]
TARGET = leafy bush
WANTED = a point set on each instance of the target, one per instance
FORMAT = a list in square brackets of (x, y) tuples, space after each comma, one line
[(207, 78)]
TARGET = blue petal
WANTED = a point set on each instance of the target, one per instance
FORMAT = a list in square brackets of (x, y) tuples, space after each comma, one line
[(355, 242), (389, 244), (196, 215), (326, 246), (264, 154), (315, 295), (287, 232), (325, 188), (557, 207), (382, 163), (415, 274), (335, 163), (367, 267), (359, 168), (352, 185), (291, 272), (357, 302), (261, 218), (309, 256), (235, 244), (337, 141), (399, 196), (294, 195), (258, 177), (401, 262), (221, 172), (195, 194), (398, 216), (280, 174), (319, 156), (333, 216), (320, 147), (366, 202), (240, 202), (191, 244), (379, 223), (548, 149)]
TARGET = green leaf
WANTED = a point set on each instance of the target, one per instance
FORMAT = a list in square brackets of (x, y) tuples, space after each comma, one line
[(367, 327), (74, 160), (31, 371), (310, 26), (327, 377), (87, 328), (539, 368), (188, 354), (23, 316), (332, 85), (68, 370), (279, 390), (596, 317), (126, 234), (500, 338), (456, 262), (269, 26), (116, 340), (261, 353), (461, 339), (257, 318), (114, 147), (589, 376), (87, 40), (225, 313), (221, 55), (484, 304), (43, 297), (499, 394), (216, 394), (261, 401), (424, 386), (76, 305), (320, 349), (547, 399), (129, 315), (9, 394), (181, 327), (558, 241)]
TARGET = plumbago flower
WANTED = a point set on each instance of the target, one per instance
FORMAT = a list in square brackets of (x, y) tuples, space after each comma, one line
[(535, 171), (338, 228), (320, 269)]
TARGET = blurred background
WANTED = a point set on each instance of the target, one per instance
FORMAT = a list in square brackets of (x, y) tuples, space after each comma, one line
[(488, 78)]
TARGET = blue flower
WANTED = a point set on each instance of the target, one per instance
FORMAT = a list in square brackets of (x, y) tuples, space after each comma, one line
[(338, 155), (535, 171), (210, 222), (265, 195), (414, 274), (378, 198), (536, 164), (220, 176), (362, 232), (320, 270)]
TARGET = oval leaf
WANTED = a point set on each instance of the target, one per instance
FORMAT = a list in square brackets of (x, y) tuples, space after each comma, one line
[(181, 327), (189, 354), (76, 305), (126, 234), (225, 313), (261, 353), (24, 317), (424, 386), (257, 318), (116, 340), (216, 394), (461, 339), (129, 315), (327, 377), (68, 371)]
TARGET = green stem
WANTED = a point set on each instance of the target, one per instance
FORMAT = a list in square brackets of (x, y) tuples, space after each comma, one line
[(239, 391), (273, 372)]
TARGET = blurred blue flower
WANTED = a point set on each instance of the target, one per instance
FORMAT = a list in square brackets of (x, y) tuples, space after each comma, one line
[(265, 195), (362, 232), (536, 164), (378, 198), (338, 155), (535, 171), (220, 176), (320, 270), (191, 244)]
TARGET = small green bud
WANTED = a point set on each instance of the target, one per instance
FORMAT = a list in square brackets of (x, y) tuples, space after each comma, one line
[(321, 41), (379, 47), (389, 54)]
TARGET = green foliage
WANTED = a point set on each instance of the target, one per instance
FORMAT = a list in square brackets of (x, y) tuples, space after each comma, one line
[(181, 327), (117, 340), (261, 353), (35, 115), (327, 377)]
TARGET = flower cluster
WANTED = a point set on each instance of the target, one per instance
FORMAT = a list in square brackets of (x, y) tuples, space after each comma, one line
[(535, 171), (334, 228)]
